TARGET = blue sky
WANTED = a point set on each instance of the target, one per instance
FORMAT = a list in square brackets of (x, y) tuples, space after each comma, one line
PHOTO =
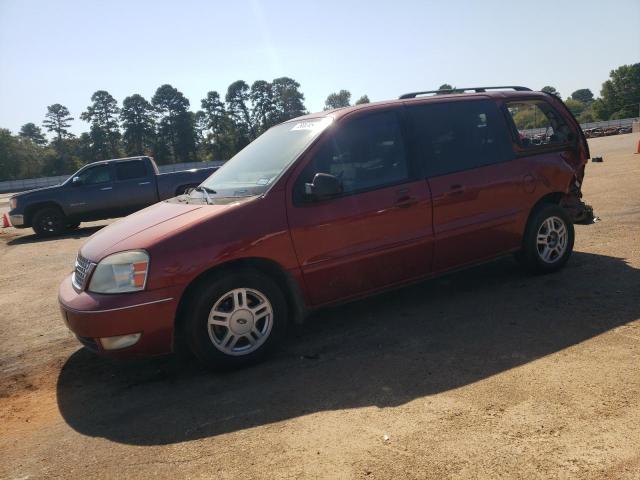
[(62, 51)]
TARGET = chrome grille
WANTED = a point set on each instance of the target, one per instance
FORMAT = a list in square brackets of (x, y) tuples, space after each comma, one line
[(81, 272)]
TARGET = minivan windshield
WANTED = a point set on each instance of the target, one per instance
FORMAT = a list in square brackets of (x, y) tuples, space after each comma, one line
[(252, 170)]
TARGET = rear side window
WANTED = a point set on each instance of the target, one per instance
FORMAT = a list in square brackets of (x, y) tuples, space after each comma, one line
[(131, 170), (538, 124), (365, 153), (457, 136)]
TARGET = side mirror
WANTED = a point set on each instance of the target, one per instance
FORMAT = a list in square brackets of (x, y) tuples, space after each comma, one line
[(323, 186), (76, 181)]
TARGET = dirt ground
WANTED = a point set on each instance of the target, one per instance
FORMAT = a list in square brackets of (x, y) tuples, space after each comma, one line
[(486, 373)]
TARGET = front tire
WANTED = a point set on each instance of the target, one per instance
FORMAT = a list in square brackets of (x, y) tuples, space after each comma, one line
[(235, 319), (48, 222), (548, 240)]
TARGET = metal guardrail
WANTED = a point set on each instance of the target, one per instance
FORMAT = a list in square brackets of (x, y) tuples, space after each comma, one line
[(624, 122), (11, 186)]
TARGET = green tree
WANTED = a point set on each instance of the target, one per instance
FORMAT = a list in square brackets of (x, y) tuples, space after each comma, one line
[(526, 118), (175, 128), (263, 108), (214, 111), (237, 100), (338, 100), (30, 131), (220, 133), (583, 95), (82, 149), (9, 163), (363, 99), (551, 90), (139, 123), (620, 95), (104, 132), (587, 116), (288, 99), (576, 106), (20, 157), (57, 121), (200, 128), (445, 86)]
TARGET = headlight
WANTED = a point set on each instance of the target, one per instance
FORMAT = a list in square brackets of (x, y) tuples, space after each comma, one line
[(13, 203), (121, 272)]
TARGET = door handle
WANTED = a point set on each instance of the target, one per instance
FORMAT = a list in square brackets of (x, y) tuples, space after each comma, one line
[(144, 183), (106, 188), (406, 201), (455, 190)]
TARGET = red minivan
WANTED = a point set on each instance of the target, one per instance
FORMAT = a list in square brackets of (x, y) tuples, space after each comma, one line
[(330, 207)]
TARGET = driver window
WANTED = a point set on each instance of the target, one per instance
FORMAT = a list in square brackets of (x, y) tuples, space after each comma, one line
[(97, 174), (365, 154)]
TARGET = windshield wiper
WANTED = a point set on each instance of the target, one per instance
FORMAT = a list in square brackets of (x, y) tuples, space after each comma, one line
[(206, 191)]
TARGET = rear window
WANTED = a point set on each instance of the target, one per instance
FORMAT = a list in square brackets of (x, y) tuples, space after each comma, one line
[(538, 124), (131, 170), (457, 136)]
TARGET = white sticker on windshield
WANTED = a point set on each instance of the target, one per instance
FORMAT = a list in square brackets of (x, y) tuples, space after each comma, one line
[(305, 126)]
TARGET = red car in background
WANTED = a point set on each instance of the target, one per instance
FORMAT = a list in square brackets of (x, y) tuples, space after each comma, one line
[(327, 208)]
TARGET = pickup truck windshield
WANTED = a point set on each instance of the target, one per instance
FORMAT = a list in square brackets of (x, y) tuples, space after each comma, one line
[(252, 170)]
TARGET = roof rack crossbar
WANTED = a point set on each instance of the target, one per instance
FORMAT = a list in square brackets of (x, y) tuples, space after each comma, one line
[(462, 90)]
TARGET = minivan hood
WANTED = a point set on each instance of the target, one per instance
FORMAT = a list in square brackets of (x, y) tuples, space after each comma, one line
[(145, 228)]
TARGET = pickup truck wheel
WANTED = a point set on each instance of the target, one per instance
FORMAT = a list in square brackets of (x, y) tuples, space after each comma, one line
[(548, 240), (48, 222), (235, 320)]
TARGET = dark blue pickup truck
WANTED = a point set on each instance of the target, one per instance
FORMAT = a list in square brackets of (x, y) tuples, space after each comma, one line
[(106, 189)]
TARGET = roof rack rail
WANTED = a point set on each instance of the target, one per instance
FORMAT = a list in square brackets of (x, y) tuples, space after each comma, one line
[(462, 90)]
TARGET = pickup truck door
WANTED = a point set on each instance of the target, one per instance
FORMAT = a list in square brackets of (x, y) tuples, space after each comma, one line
[(90, 195), (135, 186)]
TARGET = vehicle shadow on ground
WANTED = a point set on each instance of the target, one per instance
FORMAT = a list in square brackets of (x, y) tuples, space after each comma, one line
[(81, 232), (385, 351)]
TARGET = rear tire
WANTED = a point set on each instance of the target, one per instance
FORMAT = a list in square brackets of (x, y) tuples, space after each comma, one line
[(234, 320), (548, 240), (48, 222), (73, 226)]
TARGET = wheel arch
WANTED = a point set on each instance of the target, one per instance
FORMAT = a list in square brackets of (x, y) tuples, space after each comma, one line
[(553, 198), (284, 279), (30, 210)]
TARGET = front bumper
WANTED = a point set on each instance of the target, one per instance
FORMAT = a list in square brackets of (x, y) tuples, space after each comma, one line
[(92, 316), (16, 220)]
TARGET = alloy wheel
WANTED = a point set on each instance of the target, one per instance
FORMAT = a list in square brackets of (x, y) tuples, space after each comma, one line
[(552, 239), (240, 321)]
